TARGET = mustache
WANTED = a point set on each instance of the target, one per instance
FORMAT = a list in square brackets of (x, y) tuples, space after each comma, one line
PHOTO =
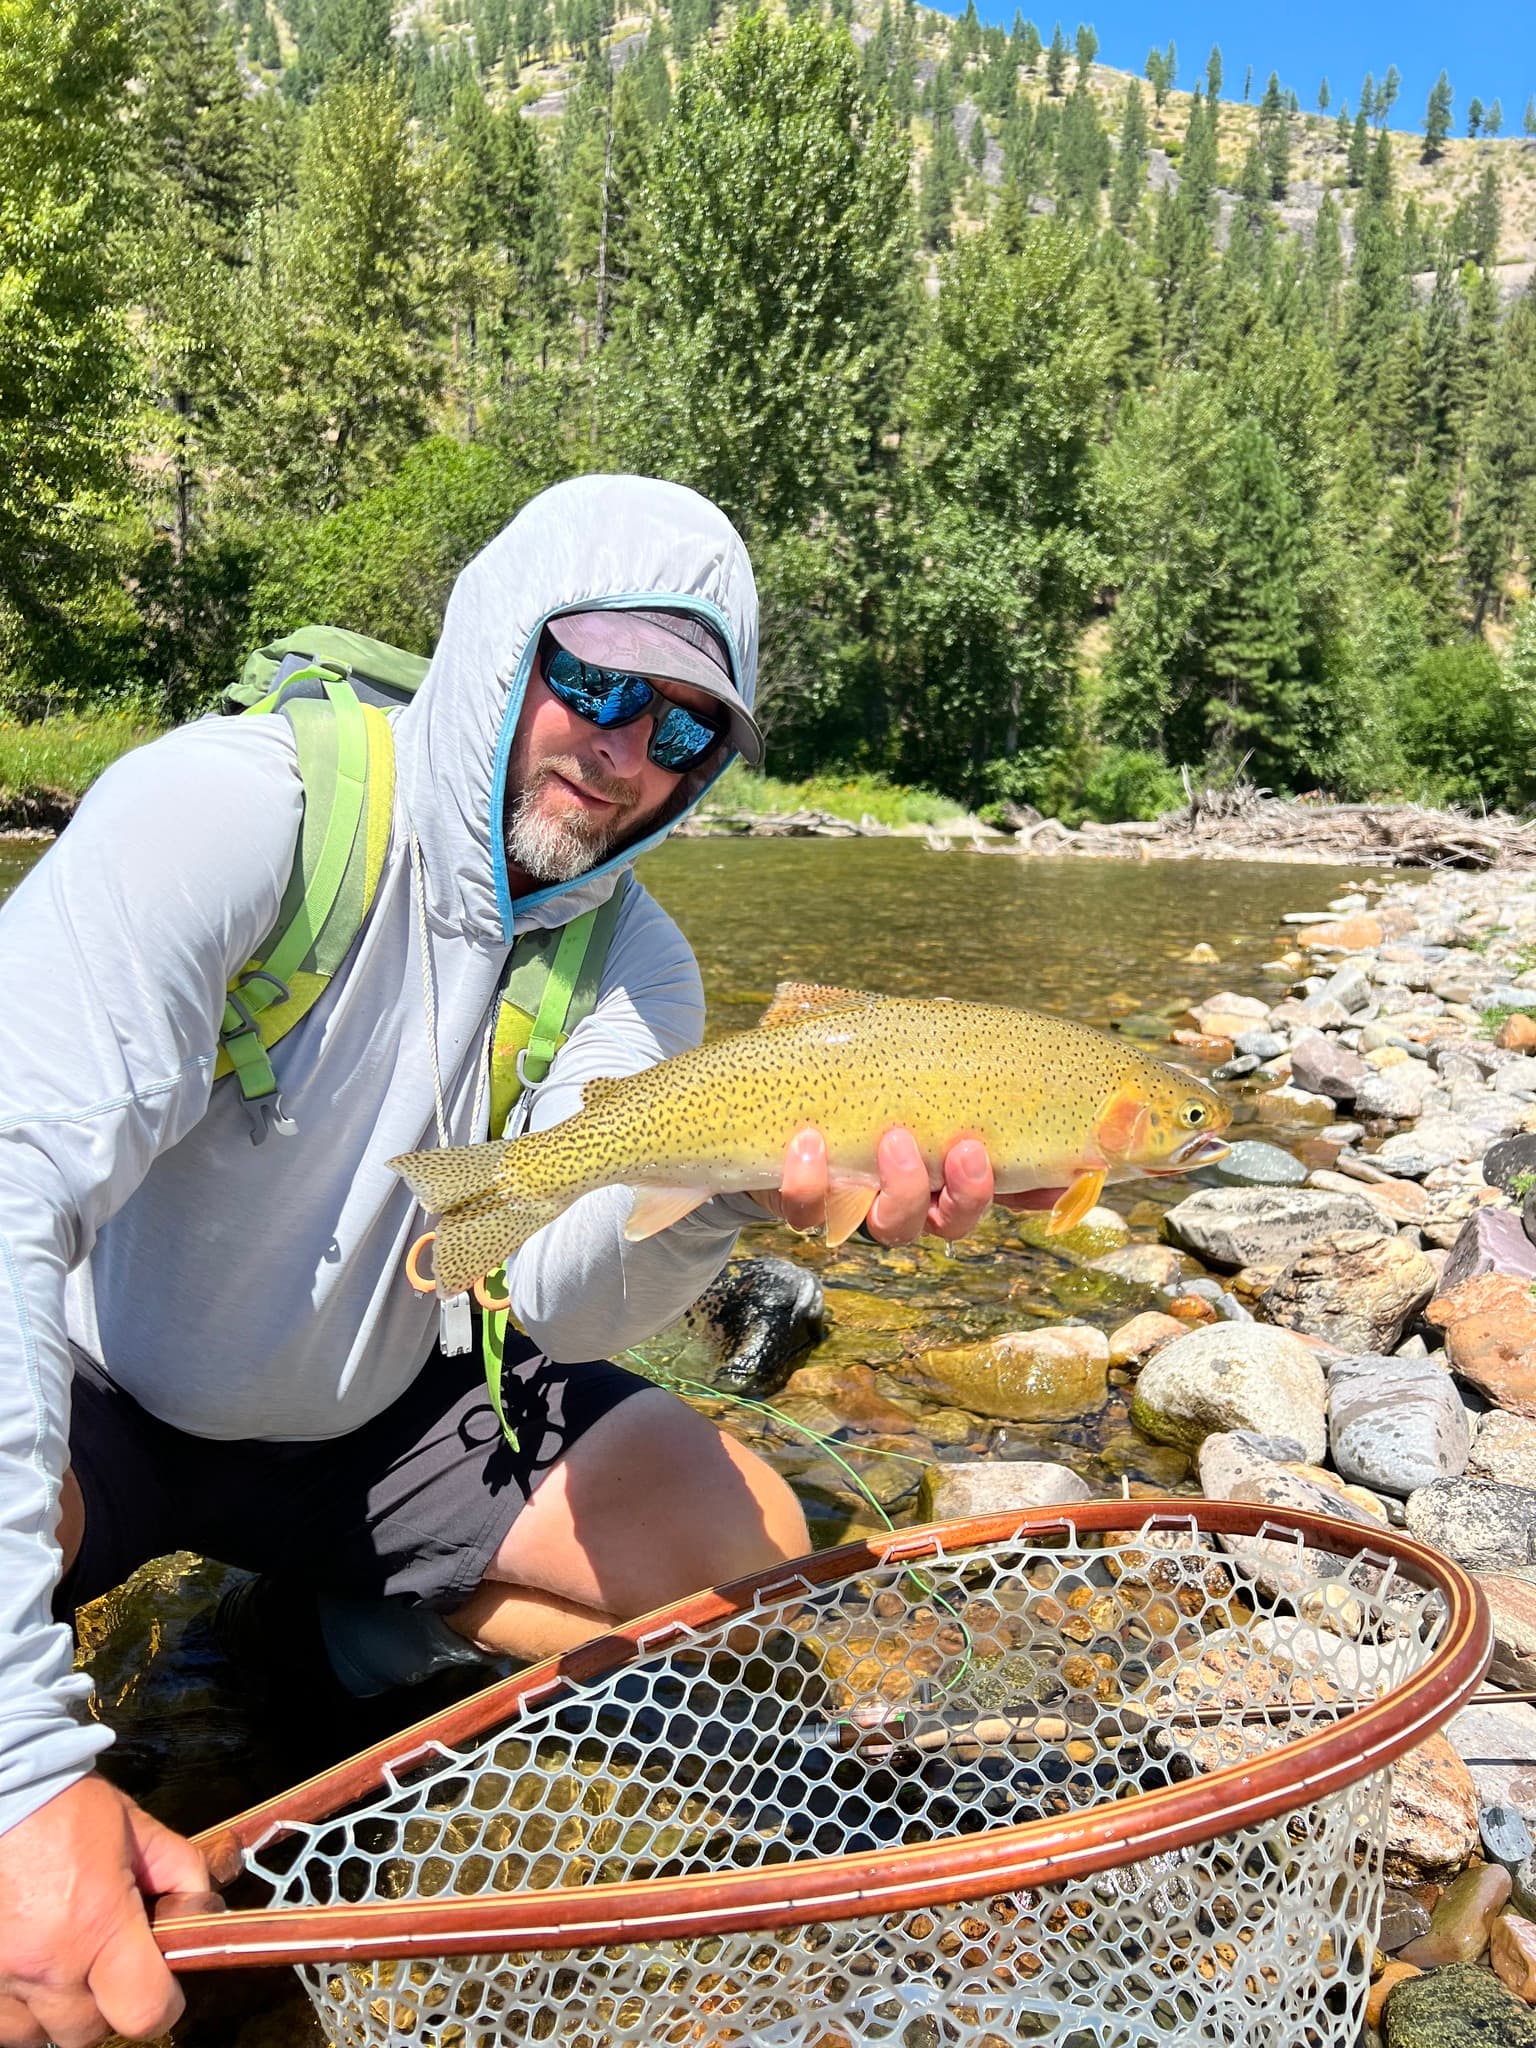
[(591, 776)]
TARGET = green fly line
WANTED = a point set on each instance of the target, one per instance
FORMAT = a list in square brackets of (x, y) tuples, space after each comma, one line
[(678, 1383)]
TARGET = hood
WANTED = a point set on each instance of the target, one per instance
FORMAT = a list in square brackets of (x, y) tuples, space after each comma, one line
[(593, 542)]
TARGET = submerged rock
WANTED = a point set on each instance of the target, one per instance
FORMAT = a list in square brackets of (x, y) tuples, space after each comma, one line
[(985, 1487), (1358, 1290), (1232, 1376), (1253, 1164), (1257, 1226), (756, 1320), (1462, 1920), (1053, 1375), (1142, 1265)]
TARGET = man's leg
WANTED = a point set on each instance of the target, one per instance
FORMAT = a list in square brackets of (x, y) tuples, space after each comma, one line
[(648, 1505)]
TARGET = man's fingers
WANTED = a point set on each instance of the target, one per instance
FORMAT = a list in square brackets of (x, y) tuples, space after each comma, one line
[(163, 1861), (967, 1191), (899, 1212), (69, 2018), (803, 1195), (18, 2029), (132, 1984)]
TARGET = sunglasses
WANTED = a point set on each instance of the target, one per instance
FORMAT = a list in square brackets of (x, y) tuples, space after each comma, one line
[(607, 697)]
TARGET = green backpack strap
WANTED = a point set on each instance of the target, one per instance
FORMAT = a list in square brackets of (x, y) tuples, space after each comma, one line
[(551, 985), (346, 765)]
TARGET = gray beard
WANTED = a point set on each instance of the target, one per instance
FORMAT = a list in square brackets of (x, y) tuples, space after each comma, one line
[(557, 849)]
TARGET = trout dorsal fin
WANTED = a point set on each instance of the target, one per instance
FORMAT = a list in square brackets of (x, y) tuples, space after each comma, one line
[(793, 1000)]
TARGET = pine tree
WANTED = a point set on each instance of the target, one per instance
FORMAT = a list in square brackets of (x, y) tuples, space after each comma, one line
[(1130, 173), (1368, 96), (1437, 119), (1213, 73), (1322, 96), (1386, 97), (1487, 218), (1082, 154), (193, 122), (1275, 138), (1474, 116), (1056, 63), (1493, 118), (1032, 46), (1087, 49), (1359, 150), (1529, 122), (1254, 625), (1501, 479)]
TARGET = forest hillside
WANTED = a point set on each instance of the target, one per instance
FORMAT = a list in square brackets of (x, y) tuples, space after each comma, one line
[(1083, 426)]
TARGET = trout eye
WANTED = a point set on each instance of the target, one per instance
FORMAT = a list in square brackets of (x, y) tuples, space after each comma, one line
[(1192, 1115)]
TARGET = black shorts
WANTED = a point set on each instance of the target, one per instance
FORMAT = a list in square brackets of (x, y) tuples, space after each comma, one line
[(415, 1502)]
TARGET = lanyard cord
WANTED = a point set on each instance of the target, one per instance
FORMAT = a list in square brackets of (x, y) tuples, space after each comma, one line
[(430, 1001)]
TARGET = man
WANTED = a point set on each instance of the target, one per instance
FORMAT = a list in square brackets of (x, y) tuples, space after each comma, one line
[(211, 1345)]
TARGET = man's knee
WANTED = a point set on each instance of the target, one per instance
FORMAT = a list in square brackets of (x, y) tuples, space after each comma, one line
[(70, 1527)]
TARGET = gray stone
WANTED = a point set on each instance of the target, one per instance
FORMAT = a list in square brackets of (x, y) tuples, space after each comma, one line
[(1395, 1423), (1511, 1598), (1253, 1164), (951, 1492), (1394, 1091), (1522, 1894), (1233, 1376), (1497, 1745), (1258, 1226), (1509, 1158), (1403, 1920), (1505, 1836), (1490, 1241), (1486, 1527), (1236, 1070), (1325, 1068), (1318, 1013), (1357, 1289), (1141, 1265), (1233, 1467), (1439, 1140), (1505, 1451), (1348, 987), (1259, 1045)]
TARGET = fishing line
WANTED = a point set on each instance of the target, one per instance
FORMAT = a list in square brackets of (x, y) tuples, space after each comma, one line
[(677, 1383)]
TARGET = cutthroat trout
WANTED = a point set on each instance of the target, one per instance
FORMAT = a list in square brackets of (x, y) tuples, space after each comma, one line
[(1056, 1104)]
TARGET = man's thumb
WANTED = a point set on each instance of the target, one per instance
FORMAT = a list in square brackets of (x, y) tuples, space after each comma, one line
[(163, 1861)]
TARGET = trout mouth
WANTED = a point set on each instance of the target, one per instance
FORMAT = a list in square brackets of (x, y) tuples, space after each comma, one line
[(1200, 1151)]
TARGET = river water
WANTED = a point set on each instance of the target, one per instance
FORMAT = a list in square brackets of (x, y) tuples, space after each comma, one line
[(1100, 941)]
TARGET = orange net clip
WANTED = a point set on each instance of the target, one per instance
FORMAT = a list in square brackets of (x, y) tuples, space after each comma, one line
[(413, 1271)]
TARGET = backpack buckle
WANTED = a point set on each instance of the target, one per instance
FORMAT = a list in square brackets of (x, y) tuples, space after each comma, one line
[(265, 1113)]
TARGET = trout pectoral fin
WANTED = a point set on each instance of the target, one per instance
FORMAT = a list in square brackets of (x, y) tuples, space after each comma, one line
[(848, 1203), (657, 1208), (1121, 1126), (1076, 1202)]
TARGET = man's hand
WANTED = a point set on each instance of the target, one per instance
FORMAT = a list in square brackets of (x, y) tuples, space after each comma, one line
[(77, 1960), (905, 1207)]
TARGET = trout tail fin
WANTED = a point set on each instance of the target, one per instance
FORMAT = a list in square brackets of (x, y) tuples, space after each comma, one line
[(484, 1213)]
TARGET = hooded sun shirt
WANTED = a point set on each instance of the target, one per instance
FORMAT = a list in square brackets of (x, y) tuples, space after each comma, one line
[(242, 1291)]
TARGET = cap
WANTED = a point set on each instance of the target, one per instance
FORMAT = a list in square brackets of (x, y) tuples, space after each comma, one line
[(671, 646)]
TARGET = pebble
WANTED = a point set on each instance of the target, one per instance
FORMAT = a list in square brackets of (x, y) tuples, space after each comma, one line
[(1512, 1952), (1230, 1376), (1253, 1164), (1460, 2007), (1357, 1289), (1141, 1336), (1490, 1241), (1259, 1045), (1505, 1450), (1398, 1093), (1511, 1156), (1142, 1265), (1326, 1068), (1050, 1375), (1395, 1423), (1460, 1925), (1295, 1106), (1393, 1975), (1432, 1817), (1505, 1836), (1236, 1070), (1403, 1919)]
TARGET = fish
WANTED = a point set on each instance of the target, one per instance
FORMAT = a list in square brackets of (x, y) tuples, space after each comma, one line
[(1057, 1104)]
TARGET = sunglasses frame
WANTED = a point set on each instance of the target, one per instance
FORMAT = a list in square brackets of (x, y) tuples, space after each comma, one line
[(616, 682)]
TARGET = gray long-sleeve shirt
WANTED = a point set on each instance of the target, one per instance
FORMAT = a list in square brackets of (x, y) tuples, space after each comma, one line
[(258, 1291)]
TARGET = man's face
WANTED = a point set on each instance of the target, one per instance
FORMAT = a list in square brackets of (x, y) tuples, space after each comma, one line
[(575, 791)]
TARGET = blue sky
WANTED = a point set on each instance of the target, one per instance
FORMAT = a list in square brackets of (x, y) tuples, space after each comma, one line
[(1488, 50)]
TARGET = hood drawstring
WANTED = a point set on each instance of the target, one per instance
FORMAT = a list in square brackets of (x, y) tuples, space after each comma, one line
[(455, 1330)]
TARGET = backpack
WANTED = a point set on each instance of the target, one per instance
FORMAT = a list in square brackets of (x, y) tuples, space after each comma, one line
[(335, 688)]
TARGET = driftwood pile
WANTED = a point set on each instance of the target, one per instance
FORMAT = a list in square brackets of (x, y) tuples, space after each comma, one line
[(1249, 824)]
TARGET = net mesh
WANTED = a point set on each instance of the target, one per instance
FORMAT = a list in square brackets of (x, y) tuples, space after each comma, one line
[(904, 1705)]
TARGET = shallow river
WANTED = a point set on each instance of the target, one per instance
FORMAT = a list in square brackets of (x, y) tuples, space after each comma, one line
[(1100, 941)]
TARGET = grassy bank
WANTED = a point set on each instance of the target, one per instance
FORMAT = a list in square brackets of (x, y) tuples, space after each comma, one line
[(46, 768), (853, 797)]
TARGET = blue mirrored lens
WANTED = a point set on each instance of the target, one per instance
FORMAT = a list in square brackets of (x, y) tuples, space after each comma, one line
[(680, 739), (607, 697)]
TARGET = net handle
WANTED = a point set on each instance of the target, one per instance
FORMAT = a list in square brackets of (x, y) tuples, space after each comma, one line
[(1035, 1852)]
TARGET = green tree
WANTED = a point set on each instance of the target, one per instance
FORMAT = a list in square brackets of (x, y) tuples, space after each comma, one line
[(1087, 49), (1474, 115), (1437, 119), (339, 369), (1323, 96), (1213, 73), (1493, 118), (1275, 138), (1004, 557), (1386, 96), (64, 371), (1056, 63), (1130, 172), (195, 134), (768, 339), (341, 39)]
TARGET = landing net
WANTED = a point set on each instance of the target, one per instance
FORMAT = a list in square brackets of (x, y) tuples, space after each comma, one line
[(1038, 1778)]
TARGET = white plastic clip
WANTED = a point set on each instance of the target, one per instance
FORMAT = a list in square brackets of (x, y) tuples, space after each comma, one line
[(456, 1334)]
